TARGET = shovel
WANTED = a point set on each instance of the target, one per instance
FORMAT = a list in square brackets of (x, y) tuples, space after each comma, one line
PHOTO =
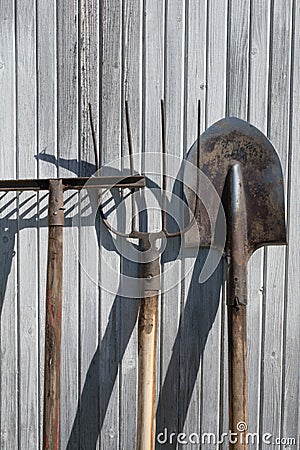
[(245, 170)]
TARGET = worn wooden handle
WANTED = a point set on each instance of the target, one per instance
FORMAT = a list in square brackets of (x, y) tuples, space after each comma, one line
[(237, 351), (51, 422), (237, 248), (238, 380), (147, 330)]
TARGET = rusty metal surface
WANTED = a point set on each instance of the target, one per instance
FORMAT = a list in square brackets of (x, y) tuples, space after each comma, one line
[(132, 181), (236, 244), (231, 141), (150, 266)]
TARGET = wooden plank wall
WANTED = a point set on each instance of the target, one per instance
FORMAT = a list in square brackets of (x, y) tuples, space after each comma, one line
[(241, 58)]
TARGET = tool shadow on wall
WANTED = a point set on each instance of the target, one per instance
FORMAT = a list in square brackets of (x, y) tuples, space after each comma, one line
[(201, 306)]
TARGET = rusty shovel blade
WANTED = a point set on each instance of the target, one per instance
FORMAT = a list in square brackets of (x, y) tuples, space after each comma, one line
[(226, 143)]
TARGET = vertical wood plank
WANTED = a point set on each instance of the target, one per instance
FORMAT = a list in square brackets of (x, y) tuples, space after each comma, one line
[(278, 131), (290, 384), (110, 148), (275, 262), (257, 115), (237, 58), (8, 230), (67, 20), (28, 245), (132, 91), (9, 343), (216, 61), (174, 46), (190, 337), (46, 144), (88, 408)]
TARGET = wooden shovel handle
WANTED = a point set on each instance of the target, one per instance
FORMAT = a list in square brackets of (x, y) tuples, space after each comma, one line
[(238, 380), (147, 330), (236, 212), (237, 349), (53, 318)]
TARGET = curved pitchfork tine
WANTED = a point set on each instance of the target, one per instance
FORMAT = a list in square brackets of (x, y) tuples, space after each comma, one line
[(134, 232), (164, 212), (133, 206)]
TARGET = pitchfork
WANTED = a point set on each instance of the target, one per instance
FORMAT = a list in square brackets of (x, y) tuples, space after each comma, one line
[(150, 272)]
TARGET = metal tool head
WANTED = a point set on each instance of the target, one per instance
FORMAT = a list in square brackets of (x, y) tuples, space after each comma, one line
[(227, 142), (164, 232)]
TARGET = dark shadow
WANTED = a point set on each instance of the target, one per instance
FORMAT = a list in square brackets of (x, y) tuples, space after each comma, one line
[(195, 323), (8, 231)]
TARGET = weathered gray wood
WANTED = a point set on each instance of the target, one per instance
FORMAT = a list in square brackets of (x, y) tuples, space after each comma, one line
[(88, 416), (9, 318), (27, 258), (217, 20), (237, 58), (290, 384), (275, 263), (111, 106), (171, 306), (257, 114), (8, 299), (132, 91), (143, 51), (67, 142), (189, 335)]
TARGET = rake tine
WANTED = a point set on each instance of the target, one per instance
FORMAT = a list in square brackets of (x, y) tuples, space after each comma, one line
[(94, 137), (198, 156), (164, 164), (131, 162)]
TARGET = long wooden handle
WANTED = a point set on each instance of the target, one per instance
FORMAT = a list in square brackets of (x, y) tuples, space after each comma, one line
[(237, 348), (51, 421), (238, 380), (147, 330), (237, 301)]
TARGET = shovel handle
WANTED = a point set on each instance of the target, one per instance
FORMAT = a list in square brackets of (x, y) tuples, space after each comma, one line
[(51, 422), (238, 383), (237, 301), (237, 346)]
